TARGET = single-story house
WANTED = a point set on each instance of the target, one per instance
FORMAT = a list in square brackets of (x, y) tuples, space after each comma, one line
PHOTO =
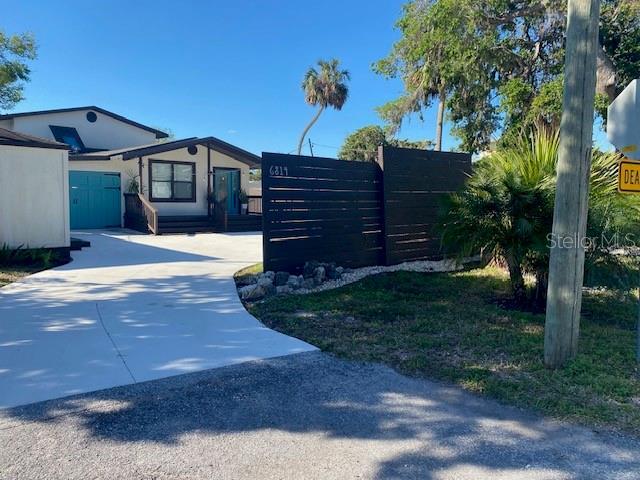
[(124, 173), (34, 192)]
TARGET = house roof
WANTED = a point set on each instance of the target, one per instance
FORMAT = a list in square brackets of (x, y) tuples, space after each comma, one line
[(158, 133), (145, 150), (107, 154), (9, 137)]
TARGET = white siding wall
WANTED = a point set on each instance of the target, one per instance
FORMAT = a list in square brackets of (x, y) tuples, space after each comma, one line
[(34, 197), (105, 133), (128, 167)]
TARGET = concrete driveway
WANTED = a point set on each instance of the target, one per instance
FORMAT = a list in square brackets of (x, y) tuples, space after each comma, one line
[(128, 309)]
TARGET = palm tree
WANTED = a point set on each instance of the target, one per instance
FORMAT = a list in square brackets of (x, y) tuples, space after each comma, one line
[(324, 88), (506, 210)]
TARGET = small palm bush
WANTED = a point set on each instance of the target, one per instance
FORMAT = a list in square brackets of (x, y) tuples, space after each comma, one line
[(506, 210)]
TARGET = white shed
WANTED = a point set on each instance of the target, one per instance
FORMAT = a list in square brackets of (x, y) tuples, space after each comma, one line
[(34, 192)]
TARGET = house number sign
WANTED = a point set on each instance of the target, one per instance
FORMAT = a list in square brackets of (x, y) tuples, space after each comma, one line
[(278, 171)]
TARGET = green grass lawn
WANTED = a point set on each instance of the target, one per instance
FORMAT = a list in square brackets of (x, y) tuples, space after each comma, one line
[(249, 271), (451, 326)]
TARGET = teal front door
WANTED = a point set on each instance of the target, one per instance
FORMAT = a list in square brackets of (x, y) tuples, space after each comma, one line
[(227, 189), (94, 199)]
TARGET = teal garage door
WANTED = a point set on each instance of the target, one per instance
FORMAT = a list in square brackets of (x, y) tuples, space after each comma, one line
[(95, 199)]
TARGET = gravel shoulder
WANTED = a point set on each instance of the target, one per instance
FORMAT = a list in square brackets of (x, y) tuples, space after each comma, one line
[(301, 416)]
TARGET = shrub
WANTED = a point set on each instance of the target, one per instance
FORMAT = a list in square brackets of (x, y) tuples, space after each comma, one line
[(29, 257)]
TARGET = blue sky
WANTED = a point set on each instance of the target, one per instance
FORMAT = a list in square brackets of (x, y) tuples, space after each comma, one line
[(231, 69)]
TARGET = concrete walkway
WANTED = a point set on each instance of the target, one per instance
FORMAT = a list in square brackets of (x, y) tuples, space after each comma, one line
[(305, 416), (128, 309)]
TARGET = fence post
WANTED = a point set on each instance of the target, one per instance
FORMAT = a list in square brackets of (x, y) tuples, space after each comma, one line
[(266, 230), (380, 161)]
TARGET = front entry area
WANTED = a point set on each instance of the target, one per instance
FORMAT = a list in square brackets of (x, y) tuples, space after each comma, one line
[(227, 189), (94, 199)]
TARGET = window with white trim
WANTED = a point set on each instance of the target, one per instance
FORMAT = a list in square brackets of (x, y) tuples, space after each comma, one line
[(172, 181)]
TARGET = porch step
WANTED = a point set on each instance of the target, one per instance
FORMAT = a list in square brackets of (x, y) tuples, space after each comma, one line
[(191, 229), (244, 223), (200, 223), (185, 224)]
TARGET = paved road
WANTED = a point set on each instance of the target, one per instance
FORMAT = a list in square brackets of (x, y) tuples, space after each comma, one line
[(305, 416), (130, 308)]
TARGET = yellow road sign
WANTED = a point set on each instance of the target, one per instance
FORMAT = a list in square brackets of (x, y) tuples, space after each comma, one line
[(629, 177)]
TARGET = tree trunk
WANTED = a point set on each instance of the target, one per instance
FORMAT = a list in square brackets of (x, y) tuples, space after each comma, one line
[(442, 100), (542, 281), (566, 264), (517, 280), (605, 75), (307, 128)]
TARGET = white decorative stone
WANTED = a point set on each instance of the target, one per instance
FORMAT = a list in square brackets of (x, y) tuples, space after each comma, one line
[(252, 292)]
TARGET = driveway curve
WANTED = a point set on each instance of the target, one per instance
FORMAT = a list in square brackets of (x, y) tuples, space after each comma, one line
[(128, 309)]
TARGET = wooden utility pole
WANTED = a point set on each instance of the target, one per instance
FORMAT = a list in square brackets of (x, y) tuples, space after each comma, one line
[(566, 266)]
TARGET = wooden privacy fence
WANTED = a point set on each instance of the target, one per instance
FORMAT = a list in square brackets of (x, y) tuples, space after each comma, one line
[(414, 182), (355, 213)]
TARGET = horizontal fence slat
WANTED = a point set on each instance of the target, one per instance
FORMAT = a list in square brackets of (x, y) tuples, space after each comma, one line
[(325, 214), (416, 199), (293, 161), (407, 237), (296, 230), (313, 204), (442, 168), (301, 173), (324, 184), (311, 195), (400, 229), (417, 184)]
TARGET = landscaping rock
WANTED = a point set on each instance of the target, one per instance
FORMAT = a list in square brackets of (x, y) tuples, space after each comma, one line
[(339, 271), (281, 278), (246, 280), (332, 271), (270, 274), (283, 289), (319, 275), (252, 292), (294, 282), (308, 283), (267, 285), (270, 289), (309, 269)]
